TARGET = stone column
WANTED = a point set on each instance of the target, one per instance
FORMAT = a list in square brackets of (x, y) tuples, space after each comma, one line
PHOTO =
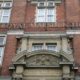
[(66, 72), (19, 69), (64, 43), (24, 44), (44, 46), (19, 72)]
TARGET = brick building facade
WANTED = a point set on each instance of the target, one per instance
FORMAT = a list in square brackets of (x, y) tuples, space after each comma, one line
[(39, 39)]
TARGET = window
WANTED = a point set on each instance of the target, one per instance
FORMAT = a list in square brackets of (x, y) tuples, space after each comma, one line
[(5, 15), (2, 42), (37, 47), (1, 4), (41, 15), (41, 4), (1, 52), (50, 3), (5, 8), (51, 47), (46, 46), (7, 4), (50, 15), (46, 12)]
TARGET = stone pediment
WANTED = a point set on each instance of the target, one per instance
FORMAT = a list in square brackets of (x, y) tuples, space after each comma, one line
[(42, 58)]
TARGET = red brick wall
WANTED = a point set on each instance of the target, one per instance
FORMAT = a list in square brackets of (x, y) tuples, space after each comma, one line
[(18, 11), (24, 12), (76, 53), (60, 12), (72, 10), (10, 50)]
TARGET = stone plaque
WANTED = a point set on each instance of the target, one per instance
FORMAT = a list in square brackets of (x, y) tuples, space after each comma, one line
[(43, 72)]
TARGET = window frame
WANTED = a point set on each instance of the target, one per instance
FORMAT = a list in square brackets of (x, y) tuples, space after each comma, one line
[(3, 46), (52, 2), (5, 8), (37, 45), (50, 15), (7, 2), (39, 15), (51, 45), (1, 55), (5, 16), (3, 41), (41, 2), (45, 8), (1, 4)]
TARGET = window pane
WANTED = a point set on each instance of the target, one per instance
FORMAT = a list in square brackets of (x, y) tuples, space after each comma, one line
[(1, 50), (6, 12), (1, 4), (41, 3), (41, 15), (0, 12), (37, 47), (50, 3), (50, 15), (0, 60), (5, 15), (51, 47), (5, 19), (7, 4), (41, 12), (1, 40)]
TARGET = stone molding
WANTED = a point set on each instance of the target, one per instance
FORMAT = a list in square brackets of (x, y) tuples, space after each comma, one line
[(16, 32), (29, 54), (23, 53), (72, 31)]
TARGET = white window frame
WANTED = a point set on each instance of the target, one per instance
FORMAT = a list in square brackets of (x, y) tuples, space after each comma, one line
[(46, 12), (4, 7), (7, 2), (1, 4), (3, 41), (5, 16), (52, 2), (37, 49), (41, 2), (50, 15), (46, 15), (3, 48), (51, 45), (1, 56), (39, 15)]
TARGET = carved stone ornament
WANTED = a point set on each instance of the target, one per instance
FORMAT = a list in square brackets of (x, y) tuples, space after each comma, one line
[(43, 60), (69, 50), (18, 50)]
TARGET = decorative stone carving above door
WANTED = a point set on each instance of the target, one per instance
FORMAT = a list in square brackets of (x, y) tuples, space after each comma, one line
[(43, 60)]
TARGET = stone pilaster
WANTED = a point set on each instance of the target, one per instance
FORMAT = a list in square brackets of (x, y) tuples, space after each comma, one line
[(66, 72), (19, 72), (24, 44), (64, 44)]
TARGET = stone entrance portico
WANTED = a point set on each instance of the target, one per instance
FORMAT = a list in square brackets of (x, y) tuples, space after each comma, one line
[(43, 65)]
